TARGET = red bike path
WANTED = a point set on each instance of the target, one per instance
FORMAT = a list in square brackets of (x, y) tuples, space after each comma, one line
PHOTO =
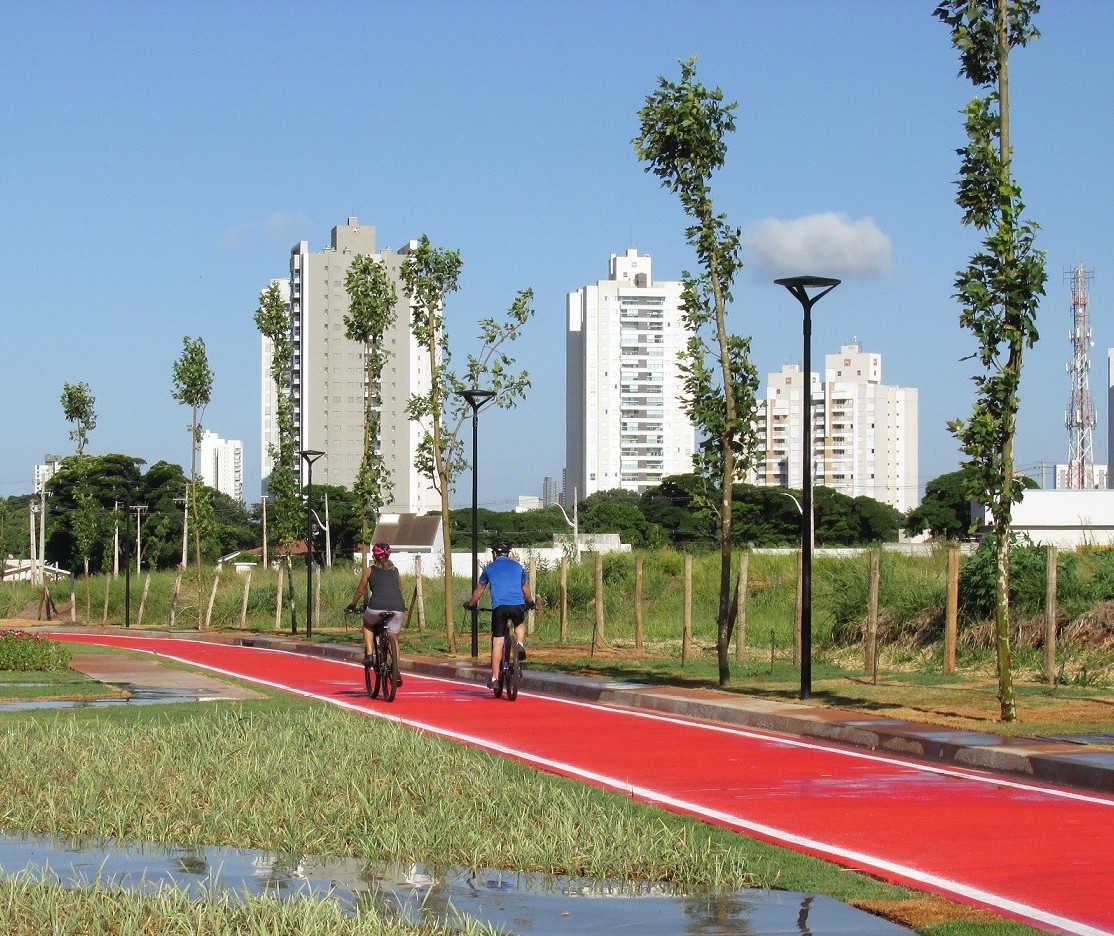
[(1033, 852)]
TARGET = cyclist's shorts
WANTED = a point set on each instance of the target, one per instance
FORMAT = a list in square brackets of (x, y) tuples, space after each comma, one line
[(394, 625), (515, 614)]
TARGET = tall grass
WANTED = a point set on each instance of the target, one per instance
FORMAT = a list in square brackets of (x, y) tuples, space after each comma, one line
[(30, 907), (311, 780), (911, 602)]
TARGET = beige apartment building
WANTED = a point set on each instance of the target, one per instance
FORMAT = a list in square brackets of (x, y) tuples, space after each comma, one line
[(864, 433), (328, 375)]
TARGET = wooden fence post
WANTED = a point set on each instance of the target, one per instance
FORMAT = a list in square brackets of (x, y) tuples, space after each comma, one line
[(212, 599), (1050, 612), (637, 602), (419, 592), (143, 600), (597, 631), (951, 613), (741, 622), (533, 576), (797, 613), (564, 600), (174, 597), (686, 615), (870, 638), (244, 603), (278, 598)]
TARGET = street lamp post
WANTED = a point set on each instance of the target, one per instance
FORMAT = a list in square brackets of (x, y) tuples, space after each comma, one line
[(475, 399), (309, 456), (799, 286)]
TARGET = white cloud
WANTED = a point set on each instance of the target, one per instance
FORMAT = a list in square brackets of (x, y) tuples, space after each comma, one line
[(827, 244), (281, 227)]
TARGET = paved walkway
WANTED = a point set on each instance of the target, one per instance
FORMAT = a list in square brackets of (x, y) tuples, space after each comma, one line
[(1034, 758)]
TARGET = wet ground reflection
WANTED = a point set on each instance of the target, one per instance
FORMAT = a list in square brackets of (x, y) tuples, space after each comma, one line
[(516, 903)]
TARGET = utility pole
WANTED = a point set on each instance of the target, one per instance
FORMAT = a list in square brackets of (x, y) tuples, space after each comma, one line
[(138, 508)]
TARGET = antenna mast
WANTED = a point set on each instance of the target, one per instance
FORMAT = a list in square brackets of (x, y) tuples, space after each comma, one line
[(1081, 410)]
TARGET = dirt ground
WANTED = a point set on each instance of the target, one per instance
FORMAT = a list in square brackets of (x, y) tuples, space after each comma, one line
[(970, 703)]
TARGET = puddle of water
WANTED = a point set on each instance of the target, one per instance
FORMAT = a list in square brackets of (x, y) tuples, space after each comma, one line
[(136, 695), (531, 905)]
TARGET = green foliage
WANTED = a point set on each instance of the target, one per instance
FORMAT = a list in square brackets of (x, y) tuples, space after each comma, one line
[(371, 311), (945, 510), (193, 387), (682, 141), (193, 382), (78, 406), (1028, 577), (431, 274), (87, 503), (1000, 289), (21, 652), (625, 519), (908, 587), (285, 519)]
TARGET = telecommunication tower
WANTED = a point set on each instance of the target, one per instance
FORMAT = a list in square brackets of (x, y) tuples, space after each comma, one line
[(1081, 410)]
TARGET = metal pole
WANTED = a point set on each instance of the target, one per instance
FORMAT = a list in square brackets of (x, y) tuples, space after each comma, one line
[(799, 286), (309, 551), (475, 531), (309, 456), (475, 399), (806, 515)]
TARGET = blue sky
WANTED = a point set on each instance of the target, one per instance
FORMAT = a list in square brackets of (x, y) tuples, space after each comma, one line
[(160, 160)]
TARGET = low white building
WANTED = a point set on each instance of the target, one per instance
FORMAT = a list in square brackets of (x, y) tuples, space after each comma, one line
[(1066, 519)]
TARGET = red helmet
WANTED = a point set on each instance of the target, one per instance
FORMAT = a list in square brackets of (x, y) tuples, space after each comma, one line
[(381, 550)]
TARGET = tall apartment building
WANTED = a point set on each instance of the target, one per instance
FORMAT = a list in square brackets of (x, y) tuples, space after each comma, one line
[(624, 423), (221, 462), (328, 377), (45, 472), (864, 433)]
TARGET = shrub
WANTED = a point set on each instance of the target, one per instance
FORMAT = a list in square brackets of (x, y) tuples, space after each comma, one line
[(23, 652)]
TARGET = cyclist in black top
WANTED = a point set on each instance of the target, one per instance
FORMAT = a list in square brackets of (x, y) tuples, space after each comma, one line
[(384, 593)]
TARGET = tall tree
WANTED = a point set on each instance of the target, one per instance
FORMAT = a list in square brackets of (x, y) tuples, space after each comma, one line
[(1001, 287), (193, 387), (683, 128), (78, 405), (272, 318), (371, 311), (430, 274)]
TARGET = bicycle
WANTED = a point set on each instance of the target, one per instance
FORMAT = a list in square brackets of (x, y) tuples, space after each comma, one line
[(381, 666), (510, 666)]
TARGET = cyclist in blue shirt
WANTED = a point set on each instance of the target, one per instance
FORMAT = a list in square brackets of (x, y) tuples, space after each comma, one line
[(510, 599)]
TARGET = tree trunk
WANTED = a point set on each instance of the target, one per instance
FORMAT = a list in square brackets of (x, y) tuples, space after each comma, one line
[(1006, 699)]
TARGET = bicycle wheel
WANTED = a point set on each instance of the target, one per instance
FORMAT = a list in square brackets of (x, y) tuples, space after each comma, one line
[(369, 680), (375, 670), (513, 669), (390, 667)]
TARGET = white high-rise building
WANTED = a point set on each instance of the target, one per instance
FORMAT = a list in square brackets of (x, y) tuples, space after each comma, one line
[(221, 463), (328, 374), (624, 422), (44, 473), (864, 433)]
